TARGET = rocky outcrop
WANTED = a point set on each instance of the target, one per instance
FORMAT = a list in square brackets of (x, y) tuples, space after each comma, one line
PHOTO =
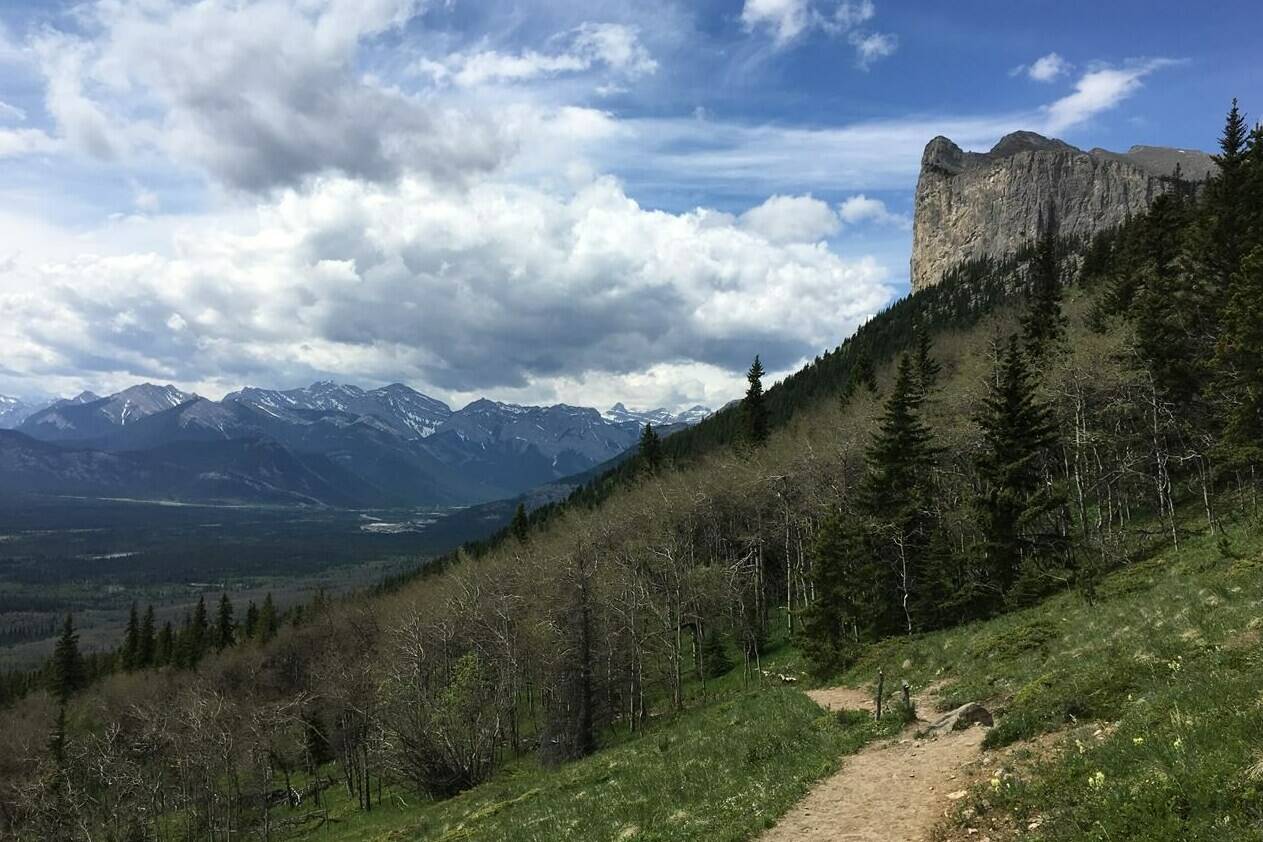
[(971, 205)]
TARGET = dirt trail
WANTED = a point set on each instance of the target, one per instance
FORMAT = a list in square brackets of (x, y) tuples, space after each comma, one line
[(891, 792)]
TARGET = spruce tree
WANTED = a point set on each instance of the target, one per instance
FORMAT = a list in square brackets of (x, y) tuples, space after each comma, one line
[(897, 498), (845, 583), (861, 376), (928, 368), (225, 629), (715, 659), (130, 655), (67, 667), (1044, 324), (164, 653), (269, 621), (521, 525), (148, 642), (252, 620), (754, 407), (1239, 367), (1017, 432), (650, 448)]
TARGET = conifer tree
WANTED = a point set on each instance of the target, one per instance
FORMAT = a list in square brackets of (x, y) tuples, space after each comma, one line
[(928, 368), (844, 582), (164, 653), (68, 671), (1044, 324), (269, 621), (1239, 366), (252, 620), (861, 376), (715, 658), (1017, 432), (147, 649), (897, 500), (521, 525), (754, 407), (225, 629), (650, 448), (130, 656)]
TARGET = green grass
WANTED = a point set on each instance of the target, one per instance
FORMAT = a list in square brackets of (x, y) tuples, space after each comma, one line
[(1167, 666), (1155, 690), (721, 772)]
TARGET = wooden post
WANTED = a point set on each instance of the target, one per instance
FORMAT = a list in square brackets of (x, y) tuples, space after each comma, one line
[(881, 689)]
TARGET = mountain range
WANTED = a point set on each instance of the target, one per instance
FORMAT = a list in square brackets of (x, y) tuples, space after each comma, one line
[(328, 443)]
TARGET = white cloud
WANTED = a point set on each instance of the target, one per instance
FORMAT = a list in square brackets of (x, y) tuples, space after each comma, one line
[(1049, 67), (11, 113), (497, 287), (1098, 91), (861, 208), (788, 20), (270, 95), (613, 46), (791, 219), (15, 142), (872, 46)]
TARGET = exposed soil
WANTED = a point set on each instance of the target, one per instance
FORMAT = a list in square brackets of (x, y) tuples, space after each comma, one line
[(894, 791)]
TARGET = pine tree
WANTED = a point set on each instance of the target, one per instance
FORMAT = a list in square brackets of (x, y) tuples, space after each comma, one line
[(715, 659), (252, 620), (1239, 366), (754, 407), (165, 652), (844, 580), (650, 448), (1044, 324), (130, 655), (225, 629), (148, 643), (897, 499), (269, 621), (1017, 432), (68, 672), (861, 376), (928, 368), (521, 525)]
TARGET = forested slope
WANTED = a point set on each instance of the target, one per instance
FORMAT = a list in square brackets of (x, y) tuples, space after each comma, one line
[(1014, 433)]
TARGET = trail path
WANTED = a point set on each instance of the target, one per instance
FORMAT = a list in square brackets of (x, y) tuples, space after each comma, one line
[(891, 792)]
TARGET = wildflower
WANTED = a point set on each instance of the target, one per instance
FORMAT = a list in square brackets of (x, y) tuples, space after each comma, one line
[(1178, 744), (1096, 780), (995, 783), (1137, 741)]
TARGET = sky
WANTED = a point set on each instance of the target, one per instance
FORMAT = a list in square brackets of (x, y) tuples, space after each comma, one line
[(538, 202)]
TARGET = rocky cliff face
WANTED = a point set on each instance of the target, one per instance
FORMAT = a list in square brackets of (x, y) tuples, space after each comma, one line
[(971, 205)]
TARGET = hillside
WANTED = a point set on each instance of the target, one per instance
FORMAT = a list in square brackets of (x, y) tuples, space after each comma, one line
[(1031, 486)]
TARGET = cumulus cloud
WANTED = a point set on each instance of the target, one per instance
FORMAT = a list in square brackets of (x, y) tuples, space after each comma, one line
[(616, 47), (491, 288), (1097, 91), (258, 94), (861, 208), (791, 219), (788, 20), (1049, 67)]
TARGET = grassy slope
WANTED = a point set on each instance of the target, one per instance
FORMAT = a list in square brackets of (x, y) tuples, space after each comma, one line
[(721, 771), (1167, 659), (1166, 665)]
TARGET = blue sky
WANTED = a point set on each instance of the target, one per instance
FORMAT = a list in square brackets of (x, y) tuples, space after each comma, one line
[(539, 201)]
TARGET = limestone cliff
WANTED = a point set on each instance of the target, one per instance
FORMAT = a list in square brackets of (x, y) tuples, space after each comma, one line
[(971, 205)]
